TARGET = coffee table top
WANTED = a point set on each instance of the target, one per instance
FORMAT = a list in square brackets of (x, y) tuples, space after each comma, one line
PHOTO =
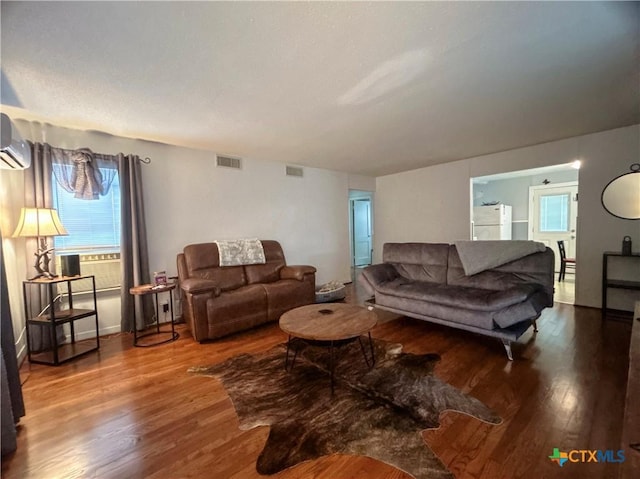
[(328, 322)]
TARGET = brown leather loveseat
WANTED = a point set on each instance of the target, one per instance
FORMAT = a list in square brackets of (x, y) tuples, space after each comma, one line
[(220, 300)]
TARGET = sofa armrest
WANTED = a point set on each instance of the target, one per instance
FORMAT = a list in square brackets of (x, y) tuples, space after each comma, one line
[(296, 272), (375, 275), (197, 286), (196, 294)]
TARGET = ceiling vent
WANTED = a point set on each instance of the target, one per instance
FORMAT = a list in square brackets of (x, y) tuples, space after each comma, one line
[(228, 162), (295, 171), (15, 153)]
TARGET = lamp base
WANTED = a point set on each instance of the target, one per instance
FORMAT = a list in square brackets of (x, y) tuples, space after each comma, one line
[(42, 261), (44, 274)]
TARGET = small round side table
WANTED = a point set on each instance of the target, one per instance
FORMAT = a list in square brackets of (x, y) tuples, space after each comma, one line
[(142, 290)]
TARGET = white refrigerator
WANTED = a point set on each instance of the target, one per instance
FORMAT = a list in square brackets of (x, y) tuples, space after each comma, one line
[(492, 222)]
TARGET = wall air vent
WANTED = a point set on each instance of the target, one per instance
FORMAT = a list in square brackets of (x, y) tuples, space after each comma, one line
[(295, 171), (228, 162)]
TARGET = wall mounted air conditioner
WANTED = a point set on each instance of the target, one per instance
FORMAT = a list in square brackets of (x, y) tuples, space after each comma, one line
[(15, 153)]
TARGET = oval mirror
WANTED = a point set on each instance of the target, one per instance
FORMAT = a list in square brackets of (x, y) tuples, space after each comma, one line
[(621, 196)]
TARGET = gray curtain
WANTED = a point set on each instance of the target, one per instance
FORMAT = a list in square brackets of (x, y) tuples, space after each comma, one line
[(134, 255), (11, 390), (38, 194)]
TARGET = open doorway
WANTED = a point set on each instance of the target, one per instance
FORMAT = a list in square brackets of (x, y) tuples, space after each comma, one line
[(360, 229), (544, 208)]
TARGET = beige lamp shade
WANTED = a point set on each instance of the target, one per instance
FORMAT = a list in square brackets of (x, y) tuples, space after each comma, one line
[(39, 222)]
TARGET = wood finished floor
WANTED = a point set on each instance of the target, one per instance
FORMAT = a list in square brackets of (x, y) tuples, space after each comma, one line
[(565, 291), (130, 412)]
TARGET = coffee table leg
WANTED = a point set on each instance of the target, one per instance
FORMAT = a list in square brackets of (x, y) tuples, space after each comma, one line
[(286, 358), (364, 352)]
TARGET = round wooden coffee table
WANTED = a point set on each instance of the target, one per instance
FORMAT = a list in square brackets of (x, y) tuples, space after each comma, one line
[(329, 325)]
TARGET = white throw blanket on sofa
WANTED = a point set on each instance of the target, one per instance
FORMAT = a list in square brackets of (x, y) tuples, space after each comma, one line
[(477, 256), (240, 251)]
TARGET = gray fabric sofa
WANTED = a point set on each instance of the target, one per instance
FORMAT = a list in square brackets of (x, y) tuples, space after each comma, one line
[(427, 281)]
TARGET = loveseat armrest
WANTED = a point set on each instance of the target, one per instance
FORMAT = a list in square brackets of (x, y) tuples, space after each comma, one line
[(197, 286), (296, 272), (375, 275)]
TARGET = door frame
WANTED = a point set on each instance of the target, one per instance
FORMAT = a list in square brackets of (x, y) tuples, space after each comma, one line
[(355, 195), (531, 219)]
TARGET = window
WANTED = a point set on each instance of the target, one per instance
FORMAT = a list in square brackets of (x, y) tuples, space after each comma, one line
[(554, 213), (93, 225)]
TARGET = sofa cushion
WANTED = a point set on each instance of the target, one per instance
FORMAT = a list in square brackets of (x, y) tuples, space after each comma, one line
[(478, 319), (418, 261), (270, 270), (203, 262), (536, 269), (459, 296), (518, 312)]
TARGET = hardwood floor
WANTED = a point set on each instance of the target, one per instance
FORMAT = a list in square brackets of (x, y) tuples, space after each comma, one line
[(565, 291), (130, 412)]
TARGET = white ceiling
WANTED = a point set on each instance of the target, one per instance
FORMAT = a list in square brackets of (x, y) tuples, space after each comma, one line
[(369, 88)]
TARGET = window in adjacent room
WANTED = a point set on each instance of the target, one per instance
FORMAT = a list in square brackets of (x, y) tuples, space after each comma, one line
[(554, 213)]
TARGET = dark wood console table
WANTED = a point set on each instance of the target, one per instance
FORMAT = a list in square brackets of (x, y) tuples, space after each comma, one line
[(616, 283), (50, 319)]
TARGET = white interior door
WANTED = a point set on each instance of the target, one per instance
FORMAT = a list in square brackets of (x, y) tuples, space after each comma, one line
[(553, 216), (361, 209)]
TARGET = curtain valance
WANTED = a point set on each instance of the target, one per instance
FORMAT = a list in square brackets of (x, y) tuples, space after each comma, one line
[(86, 174)]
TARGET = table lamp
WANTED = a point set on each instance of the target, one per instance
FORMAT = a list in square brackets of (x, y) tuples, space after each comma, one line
[(40, 223)]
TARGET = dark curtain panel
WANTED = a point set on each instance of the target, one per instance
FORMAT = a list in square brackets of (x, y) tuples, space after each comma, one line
[(11, 398), (38, 194), (134, 255)]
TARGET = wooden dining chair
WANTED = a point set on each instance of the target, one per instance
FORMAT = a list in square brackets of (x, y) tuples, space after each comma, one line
[(564, 261)]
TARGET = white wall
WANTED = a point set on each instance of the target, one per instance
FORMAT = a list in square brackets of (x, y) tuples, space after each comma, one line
[(188, 199), (433, 204), (426, 205)]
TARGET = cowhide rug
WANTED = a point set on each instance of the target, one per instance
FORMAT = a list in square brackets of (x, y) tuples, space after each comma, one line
[(378, 413)]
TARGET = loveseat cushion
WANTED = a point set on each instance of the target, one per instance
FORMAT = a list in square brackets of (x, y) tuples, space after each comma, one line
[(287, 294), (246, 305), (203, 262), (418, 261), (270, 270)]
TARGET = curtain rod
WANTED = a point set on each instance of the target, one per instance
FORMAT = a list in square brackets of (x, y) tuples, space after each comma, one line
[(146, 160)]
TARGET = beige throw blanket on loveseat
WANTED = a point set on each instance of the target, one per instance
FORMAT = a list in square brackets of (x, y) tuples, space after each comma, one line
[(240, 251)]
